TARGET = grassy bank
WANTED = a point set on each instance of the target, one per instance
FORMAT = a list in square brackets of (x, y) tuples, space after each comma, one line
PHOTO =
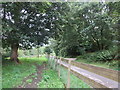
[(103, 58), (114, 64)]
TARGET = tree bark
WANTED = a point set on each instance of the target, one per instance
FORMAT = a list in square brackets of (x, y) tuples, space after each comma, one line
[(14, 53)]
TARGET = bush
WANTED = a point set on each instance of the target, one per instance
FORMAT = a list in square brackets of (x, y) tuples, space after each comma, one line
[(106, 55), (47, 50), (114, 63)]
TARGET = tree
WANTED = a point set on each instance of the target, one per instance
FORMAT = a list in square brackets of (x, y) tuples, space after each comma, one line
[(25, 25), (84, 27), (114, 12), (47, 51)]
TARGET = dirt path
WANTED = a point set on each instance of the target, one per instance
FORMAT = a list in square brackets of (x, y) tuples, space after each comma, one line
[(32, 80)]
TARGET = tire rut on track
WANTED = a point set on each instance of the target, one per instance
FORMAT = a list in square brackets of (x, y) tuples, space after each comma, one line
[(34, 77)]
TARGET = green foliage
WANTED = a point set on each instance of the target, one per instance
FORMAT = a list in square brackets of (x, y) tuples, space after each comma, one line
[(34, 76), (50, 80), (105, 55), (105, 58), (114, 64), (85, 27), (26, 23), (47, 50), (31, 52), (75, 27), (5, 53)]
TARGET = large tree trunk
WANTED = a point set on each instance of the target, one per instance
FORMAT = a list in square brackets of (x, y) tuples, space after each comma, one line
[(14, 53)]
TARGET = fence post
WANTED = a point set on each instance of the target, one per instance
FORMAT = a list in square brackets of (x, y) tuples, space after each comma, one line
[(49, 61), (68, 79), (57, 64), (54, 62), (59, 67)]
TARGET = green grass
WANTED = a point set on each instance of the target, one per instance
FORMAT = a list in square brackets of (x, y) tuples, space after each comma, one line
[(34, 76), (13, 74), (37, 60), (50, 80), (29, 81), (75, 82), (109, 65)]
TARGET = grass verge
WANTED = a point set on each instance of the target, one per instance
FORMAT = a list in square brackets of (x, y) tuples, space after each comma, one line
[(75, 82), (50, 80)]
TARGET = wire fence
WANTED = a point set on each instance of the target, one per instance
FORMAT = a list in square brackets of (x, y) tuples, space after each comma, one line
[(74, 74), (69, 80)]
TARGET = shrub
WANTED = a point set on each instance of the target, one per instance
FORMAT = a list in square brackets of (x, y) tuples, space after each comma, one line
[(105, 55), (114, 63)]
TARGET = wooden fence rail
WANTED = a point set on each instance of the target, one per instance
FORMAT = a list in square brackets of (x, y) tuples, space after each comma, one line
[(108, 74)]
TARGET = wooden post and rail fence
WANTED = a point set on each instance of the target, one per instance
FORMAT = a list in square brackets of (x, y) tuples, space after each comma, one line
[(96, 77)]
